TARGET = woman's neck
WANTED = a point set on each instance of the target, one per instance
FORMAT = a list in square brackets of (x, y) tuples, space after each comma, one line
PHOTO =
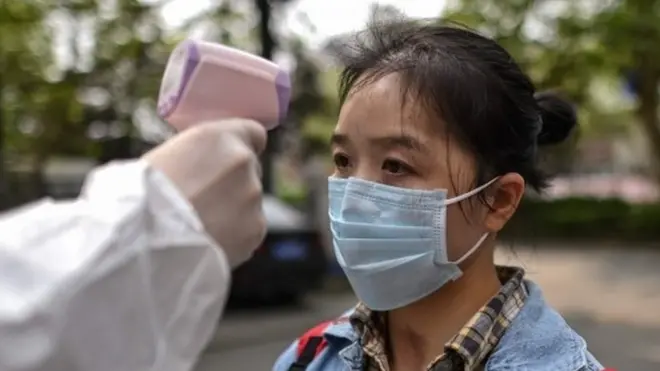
[(418, 332)]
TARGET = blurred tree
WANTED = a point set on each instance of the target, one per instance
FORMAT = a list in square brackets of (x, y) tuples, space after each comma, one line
[(111, 58), (309, 99), (317, 127), (125, 63), (226, 22), (74, 72), (577, 46), (268, 45), (25, 52)]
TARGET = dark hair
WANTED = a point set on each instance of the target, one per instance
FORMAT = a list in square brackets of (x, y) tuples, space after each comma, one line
[(471, 82)]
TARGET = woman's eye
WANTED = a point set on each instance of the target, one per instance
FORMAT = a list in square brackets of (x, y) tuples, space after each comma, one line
[(396, 167), (340, 160)]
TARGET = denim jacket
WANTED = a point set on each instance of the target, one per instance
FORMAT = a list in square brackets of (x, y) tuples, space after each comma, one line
[(538, 339)]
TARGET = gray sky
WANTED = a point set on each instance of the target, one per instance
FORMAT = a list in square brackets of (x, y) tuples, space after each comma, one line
[(330, 17)]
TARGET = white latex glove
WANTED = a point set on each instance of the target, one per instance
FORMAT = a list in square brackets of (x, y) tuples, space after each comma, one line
[(215, 165)]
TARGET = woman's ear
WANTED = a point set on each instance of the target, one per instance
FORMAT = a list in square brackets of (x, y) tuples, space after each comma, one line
[(504, 196)]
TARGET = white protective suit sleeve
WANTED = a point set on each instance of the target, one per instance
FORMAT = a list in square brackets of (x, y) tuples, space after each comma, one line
[(122, 279)]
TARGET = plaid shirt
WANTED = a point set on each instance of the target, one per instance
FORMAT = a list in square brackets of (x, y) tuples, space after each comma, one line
[(468, 349)]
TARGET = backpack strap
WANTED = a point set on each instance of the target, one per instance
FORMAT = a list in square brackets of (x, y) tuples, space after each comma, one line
[(309, 346)]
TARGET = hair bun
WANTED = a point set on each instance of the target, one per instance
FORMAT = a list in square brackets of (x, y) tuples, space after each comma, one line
[(558, 118)]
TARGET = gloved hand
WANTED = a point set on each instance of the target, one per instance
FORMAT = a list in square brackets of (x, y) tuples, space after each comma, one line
[(215, 166)]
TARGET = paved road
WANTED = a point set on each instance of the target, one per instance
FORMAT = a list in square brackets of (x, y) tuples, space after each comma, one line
[(253, 340), (612, 297)]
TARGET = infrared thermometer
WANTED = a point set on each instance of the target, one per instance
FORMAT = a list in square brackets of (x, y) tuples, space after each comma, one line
[(204, 81)]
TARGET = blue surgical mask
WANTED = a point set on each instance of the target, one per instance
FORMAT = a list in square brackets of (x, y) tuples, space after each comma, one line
[(391, 242)]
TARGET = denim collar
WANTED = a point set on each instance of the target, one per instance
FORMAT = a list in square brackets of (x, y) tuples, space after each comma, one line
[(537, 340)]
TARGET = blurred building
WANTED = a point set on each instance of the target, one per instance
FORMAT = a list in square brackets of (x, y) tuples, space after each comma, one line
[(609, 168)]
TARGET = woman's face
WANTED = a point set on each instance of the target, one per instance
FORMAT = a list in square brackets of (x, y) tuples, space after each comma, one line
[(378, 138)]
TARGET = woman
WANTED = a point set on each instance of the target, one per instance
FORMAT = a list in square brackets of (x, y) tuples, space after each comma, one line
[(436, 142)]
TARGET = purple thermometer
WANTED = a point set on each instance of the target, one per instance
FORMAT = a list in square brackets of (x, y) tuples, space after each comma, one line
[(205, 81)]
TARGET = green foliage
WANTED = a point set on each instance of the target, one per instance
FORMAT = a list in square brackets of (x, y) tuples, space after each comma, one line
[(308, 97), (74, 70), (49, 103), (317, 126), (583, 48), (292, 194), (585, 218), (107, 63)]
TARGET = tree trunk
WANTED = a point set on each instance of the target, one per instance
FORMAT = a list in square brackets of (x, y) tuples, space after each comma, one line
[(4, 184), (647, 109), (267, 49)]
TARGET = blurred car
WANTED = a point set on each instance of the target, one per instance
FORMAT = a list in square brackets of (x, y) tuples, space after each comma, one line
[(290, 262)]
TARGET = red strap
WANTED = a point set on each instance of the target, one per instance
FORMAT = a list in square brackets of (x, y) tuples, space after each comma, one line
[(316, 331)]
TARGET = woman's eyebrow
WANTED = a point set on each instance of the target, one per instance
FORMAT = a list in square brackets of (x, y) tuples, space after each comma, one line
[(339, 139), (400, 141), (386, 142)]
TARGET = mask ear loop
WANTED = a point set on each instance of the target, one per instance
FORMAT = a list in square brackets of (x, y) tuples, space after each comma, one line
[(472, 250), (473, 192), (465, 196)]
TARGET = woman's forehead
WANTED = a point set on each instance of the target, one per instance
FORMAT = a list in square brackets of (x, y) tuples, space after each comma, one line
[(380, 108)]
